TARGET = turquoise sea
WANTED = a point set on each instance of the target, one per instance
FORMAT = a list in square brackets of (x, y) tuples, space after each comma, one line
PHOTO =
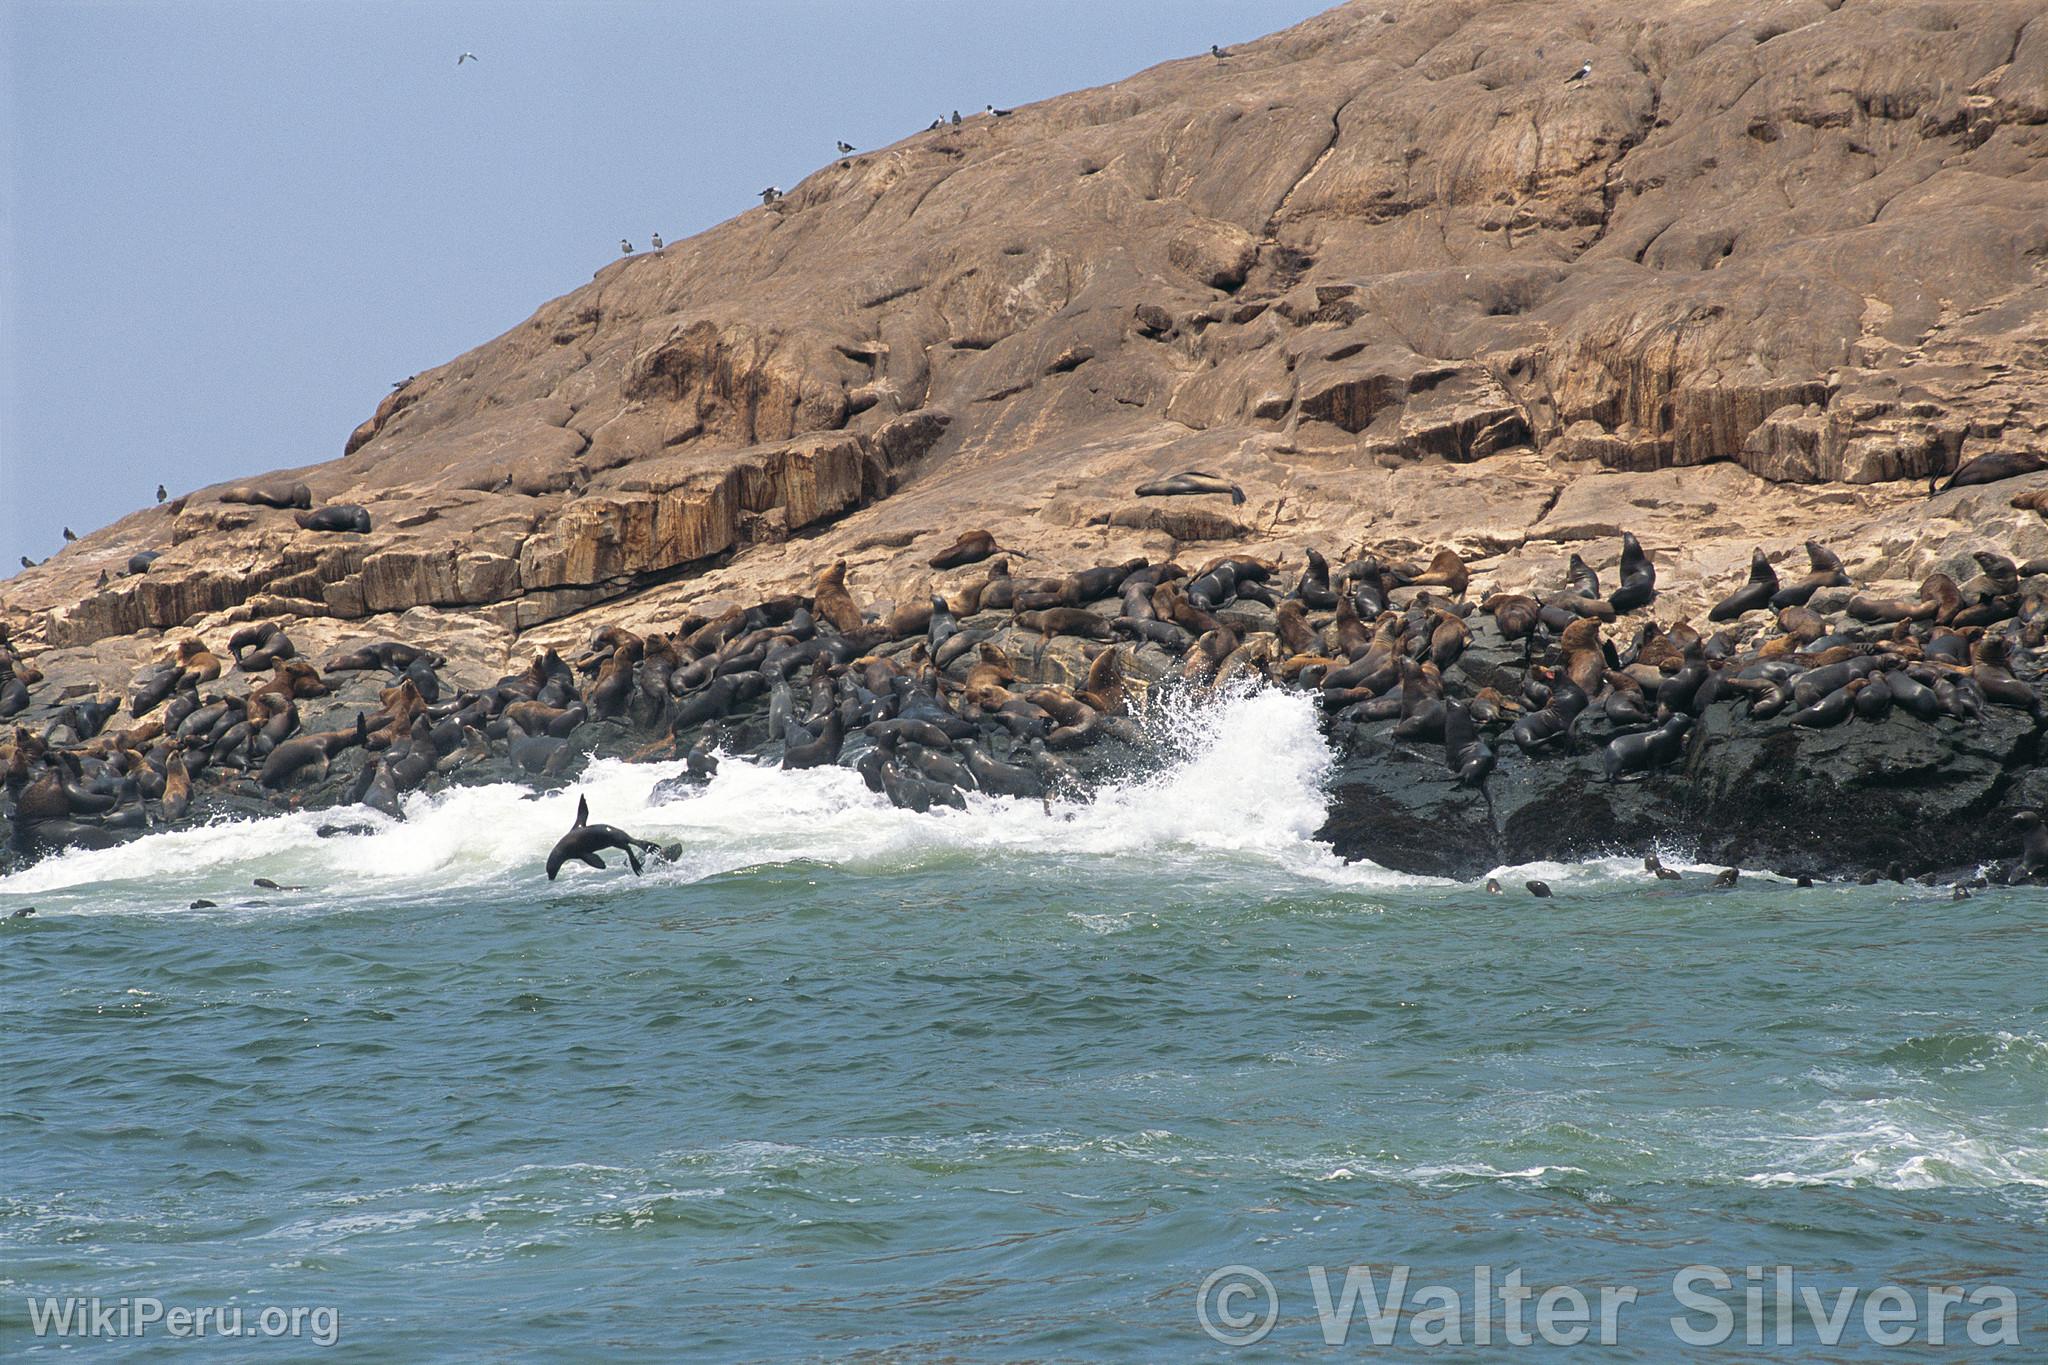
[(1011, 1084)]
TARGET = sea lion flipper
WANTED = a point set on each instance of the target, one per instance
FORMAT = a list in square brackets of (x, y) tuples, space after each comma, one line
[(582, 814), (633, 857), (593, 860)]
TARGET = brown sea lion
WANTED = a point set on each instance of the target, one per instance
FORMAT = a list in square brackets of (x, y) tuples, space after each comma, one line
[(1293, 627), (971, 548), (831, 601), (1190, 481), (275, 494), (1447, 570)]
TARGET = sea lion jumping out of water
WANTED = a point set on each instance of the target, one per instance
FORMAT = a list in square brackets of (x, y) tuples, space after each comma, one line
[(584, 840), (1190, 481)]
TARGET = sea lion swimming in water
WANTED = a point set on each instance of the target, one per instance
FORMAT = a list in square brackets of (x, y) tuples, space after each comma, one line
[(584, 840), (1190, 481)]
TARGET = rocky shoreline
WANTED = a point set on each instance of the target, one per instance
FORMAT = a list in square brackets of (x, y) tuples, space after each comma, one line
[(1834, 734)]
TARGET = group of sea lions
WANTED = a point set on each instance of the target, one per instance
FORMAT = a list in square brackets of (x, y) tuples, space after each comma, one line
[(996, 682)]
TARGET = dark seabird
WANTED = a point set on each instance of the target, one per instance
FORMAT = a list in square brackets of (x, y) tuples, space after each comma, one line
[(935, 123), (27, 563), (625, 247), (465, 57), (999, 113), (656, 243), (70, 534), (956, 118), (162, 492), (1215, 51), (770, 195), (844, 147), (103, 580), (1580, 74)]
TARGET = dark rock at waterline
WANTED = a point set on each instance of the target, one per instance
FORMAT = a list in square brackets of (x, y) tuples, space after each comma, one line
[(1757, 794)]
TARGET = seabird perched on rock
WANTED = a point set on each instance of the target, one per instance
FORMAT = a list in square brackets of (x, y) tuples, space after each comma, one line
[(162, 492), (844, 146), (936, 123), (771, 195), (956, 118), (27, 563), (1580, 74), (625, 247), (655, 245), (998, 113), (1215, 51), (465, 57), (70, 534)]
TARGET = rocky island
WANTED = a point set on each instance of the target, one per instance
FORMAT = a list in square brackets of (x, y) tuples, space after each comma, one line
[(1651, 457)]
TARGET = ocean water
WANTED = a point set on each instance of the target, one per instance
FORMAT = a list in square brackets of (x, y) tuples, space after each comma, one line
[(1019, 1083)]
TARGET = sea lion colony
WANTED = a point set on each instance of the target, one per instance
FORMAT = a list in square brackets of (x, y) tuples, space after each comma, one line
[(1002, 682)]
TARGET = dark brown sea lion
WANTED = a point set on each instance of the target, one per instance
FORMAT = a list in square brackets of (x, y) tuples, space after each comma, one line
[(1991, 468), (336, 516)]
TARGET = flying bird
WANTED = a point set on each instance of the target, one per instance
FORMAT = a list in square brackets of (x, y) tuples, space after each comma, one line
[(656, 243), (844, 148), (625, 247), (162, 492), (465, 57), (1215, 51), (1580, 74)]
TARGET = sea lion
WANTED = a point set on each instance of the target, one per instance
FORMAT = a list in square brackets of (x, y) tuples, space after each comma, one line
[(1754, 595), (1313, 587), (1727, 877), (831, 601), (276, 494), (1991, 468), (1465, 753), (971, 548), (2033, 857), (1446, 570), (1652, 864), (336, 516), (1190, 481), (584, 841), (1638, 577), (1824, 571), (1540, 890), (1648, 749), (140, 561)]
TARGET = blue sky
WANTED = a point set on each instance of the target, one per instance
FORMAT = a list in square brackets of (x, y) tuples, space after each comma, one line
[(226, 228)]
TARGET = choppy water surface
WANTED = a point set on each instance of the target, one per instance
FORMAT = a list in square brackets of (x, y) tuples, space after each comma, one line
[(997, 1085)]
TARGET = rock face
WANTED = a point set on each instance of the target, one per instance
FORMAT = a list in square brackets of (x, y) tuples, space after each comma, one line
[(1756, 279), (1820, 803)]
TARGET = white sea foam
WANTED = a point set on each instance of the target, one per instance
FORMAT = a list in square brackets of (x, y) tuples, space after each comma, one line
[(1245, 789)]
